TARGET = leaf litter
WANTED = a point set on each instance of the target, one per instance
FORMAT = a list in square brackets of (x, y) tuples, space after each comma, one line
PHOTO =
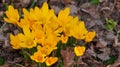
[(98, 52)]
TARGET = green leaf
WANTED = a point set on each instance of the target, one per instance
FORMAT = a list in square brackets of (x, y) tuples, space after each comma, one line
[(2, 60), (118, 32), (75, 65), (71, 41), (25, 54), (41, 65), (111, 60), (94, 1), (33, 4), (59, 45), (61, 64), (32, 50), (111, 24)]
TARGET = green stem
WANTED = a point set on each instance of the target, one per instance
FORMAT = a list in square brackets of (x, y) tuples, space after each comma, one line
[(33, 3), (76, 58), (41, 65), (25, 54)]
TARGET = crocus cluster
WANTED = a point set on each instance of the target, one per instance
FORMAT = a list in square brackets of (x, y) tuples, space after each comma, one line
[(42, 29)]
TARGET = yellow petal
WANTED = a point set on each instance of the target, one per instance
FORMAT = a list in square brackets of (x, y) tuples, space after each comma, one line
[(26, 13), (26, 30), (12, 15), (51, 60), (45, 50), (7, 20), (67, 11), (28, 44), (64, 39), (38, 57), (89, 36), (64, 12), (45, 8), (79, 50), (17, 14), (15, 41)]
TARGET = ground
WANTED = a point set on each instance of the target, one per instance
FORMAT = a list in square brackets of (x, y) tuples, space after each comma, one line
[(102, 16)]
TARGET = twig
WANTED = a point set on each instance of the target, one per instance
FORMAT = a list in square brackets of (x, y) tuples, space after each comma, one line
[(1, 28), (113, 5)]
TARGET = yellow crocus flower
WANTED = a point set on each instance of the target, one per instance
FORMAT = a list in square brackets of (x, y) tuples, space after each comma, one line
[(64, 17), (45, 50), (27, 39), (12, 15), (39, 36), (38, 57), (51, 60), (23, 22), (89, 36), (14, 41), (78, 31), (64, 39), (79, 50), (50, 41)]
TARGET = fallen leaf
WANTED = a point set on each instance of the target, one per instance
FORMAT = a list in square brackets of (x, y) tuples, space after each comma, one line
[(117, 62), (54, 1), (21, 3), (105, 55), (90, 51), (110, 35), (65, 2), (116, 43), (68, 56), (5, 65), (92, 10), (118, 5), (4, 40), (80, 63), (92, 62), (56, 9), (73, 9), (101, 43)]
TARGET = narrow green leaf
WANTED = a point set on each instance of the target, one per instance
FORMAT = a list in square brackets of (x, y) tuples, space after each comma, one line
[(33, 4), (2, 60)]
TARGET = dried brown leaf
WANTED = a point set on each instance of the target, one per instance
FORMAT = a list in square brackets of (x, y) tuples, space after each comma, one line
[(56, 9), (101, 43), (81, 63), (73, 9), (54, 1), (4, 40), (117, 62), (92, 10), (68, 2), (105, 55), (68, 56), (116, 43), (91, 62)]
